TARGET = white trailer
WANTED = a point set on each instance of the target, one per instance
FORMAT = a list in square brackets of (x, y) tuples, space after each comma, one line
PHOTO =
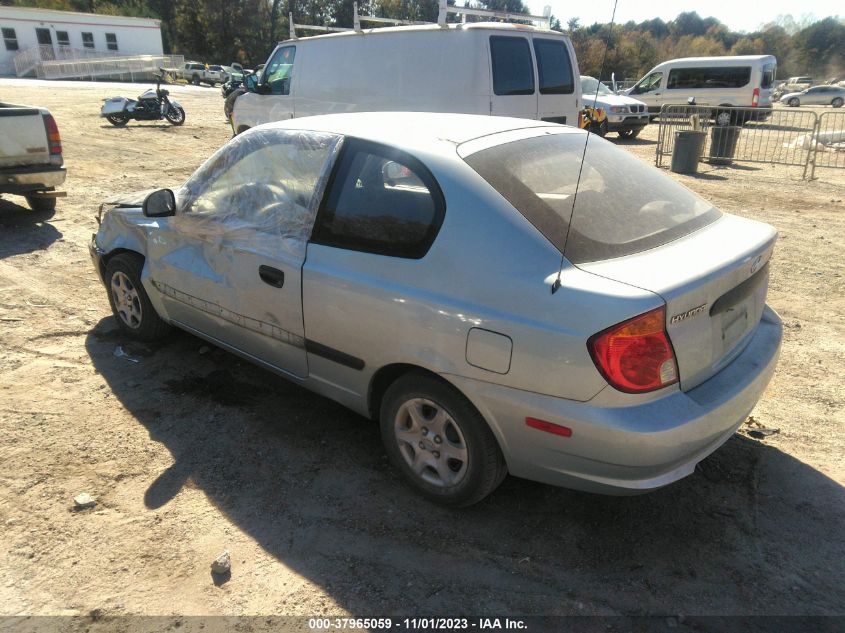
[(36, 35)]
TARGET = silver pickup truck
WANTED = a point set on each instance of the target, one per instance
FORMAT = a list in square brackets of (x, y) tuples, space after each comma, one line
[(31, 163)]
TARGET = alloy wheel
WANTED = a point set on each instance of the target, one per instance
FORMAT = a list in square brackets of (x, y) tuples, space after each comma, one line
[(127, 302)]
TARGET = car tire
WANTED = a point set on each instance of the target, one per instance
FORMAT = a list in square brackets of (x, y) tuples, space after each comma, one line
[(229, 103), (195, 80), (43, 206), (794, 102), (723, 117), (629, 134), (837, 103), (599, 129), (129, 301), (439, 442)]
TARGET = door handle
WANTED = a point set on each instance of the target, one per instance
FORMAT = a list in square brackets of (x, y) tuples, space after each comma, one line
[(272, 276)]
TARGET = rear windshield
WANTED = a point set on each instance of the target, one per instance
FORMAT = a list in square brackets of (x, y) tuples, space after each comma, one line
[(623, 205)]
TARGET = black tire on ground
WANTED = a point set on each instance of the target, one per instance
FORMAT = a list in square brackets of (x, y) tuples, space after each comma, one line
[(41, 205), (794, 102), (195, 80), (129, 301), (599, 128), (724, 117), (175, 114), (629, 133), (118, 120), (229, 103), (483, 468), (837, 103)]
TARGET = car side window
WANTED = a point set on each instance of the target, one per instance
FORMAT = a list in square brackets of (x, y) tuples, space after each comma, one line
[(279, 71), (652, 82), (382, 201), (266, 181), (513, 69), (554, 67)]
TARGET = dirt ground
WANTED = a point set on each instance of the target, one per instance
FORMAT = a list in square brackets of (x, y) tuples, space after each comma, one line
[(191, 451)]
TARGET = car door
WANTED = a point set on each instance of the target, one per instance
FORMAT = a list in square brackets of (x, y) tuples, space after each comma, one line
[(557, 100), (815, 96), (229, 264), (513, 79), (649, 90)]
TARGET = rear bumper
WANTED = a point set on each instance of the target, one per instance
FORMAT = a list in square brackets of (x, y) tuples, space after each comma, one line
[(618, 449), (32, 178)]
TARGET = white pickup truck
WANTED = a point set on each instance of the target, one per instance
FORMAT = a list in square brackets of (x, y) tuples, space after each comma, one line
[(197, 73), (31, 163)]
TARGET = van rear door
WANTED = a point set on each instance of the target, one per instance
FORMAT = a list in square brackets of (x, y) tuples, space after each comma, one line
[(513, 79), (559, 88)]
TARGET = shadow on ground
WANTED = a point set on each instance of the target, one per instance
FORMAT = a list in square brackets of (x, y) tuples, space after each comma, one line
[(24, 230), (752, 531)]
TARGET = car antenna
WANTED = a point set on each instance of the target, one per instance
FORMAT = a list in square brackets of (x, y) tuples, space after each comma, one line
[(557, 283)]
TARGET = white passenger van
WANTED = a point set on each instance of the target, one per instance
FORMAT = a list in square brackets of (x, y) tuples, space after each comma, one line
[(743, 81), (475, 68)]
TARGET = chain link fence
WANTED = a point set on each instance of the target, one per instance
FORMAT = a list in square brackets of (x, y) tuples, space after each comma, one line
[(777, 136)]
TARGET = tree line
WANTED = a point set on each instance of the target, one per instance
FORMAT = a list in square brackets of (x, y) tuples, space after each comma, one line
[(223, 31)]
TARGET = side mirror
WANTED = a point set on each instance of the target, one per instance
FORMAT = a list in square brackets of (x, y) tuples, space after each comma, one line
[(251, 82), (160, 204)]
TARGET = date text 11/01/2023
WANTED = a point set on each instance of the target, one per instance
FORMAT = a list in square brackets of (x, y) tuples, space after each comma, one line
[(417, 624)]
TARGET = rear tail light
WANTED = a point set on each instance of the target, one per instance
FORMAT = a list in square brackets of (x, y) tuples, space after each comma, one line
[(755, 97), (54, 139), (636, 356)]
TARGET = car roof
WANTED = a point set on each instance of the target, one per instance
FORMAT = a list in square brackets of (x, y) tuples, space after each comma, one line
[(429, 131)]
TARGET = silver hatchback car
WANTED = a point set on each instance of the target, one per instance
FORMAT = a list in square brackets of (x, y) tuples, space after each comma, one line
[(452, 277)]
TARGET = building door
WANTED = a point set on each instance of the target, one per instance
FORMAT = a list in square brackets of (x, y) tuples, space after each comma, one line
[(45, 42)]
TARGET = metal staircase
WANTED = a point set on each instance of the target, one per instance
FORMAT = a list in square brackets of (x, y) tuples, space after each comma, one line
[(45, 62)]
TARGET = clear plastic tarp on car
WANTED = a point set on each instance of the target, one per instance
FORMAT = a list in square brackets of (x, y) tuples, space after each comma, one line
[(260, 191)]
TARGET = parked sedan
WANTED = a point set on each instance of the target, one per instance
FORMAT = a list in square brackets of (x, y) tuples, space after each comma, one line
[(817, 95), (451, 277)]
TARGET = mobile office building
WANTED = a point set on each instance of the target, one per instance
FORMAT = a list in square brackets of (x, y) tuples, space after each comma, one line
[(68, 35), (475, 68), (741, 81)]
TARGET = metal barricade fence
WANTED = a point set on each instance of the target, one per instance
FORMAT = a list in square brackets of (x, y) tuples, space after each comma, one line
[(777, 136), (829, 142)]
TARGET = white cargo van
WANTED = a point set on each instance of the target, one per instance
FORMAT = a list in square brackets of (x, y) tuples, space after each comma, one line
[(741, 81), (476, 68)]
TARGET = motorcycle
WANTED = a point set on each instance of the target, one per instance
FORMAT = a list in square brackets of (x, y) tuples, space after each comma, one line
[(153, 105)]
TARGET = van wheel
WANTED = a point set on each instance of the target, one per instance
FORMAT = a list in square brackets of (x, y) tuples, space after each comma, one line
[(439, 442), (837, 103), (723, 117)]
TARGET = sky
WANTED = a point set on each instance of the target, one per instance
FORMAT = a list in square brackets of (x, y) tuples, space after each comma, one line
[(739, 15)]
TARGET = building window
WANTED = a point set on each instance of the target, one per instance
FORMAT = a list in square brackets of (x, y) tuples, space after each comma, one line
[(10, 39), (63, 38), (111, 41), (88, 40)]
